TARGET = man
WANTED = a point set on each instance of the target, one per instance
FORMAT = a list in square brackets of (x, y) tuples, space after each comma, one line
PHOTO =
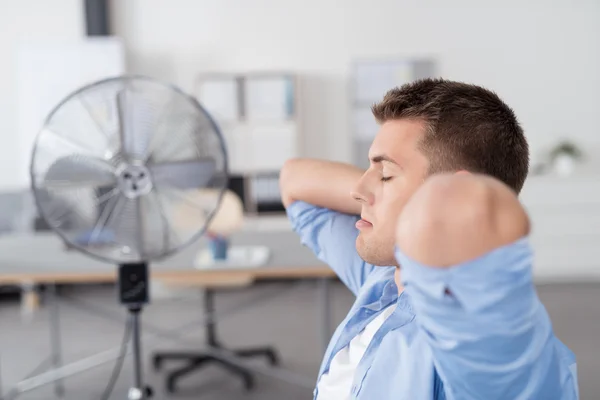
[(454, 315)]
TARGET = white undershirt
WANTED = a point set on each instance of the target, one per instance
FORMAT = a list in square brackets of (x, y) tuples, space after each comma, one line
[(336, 384)]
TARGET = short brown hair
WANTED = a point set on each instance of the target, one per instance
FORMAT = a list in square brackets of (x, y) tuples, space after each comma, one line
[(468, 127)]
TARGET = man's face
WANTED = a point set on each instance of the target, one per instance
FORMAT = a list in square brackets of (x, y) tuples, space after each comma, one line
[(396, 171)]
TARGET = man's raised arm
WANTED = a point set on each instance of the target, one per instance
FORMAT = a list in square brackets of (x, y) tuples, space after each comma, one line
[(318, 200), (325, 184), (465, 259)]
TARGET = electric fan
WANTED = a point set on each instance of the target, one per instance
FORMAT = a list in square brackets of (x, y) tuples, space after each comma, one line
[(112, 165)]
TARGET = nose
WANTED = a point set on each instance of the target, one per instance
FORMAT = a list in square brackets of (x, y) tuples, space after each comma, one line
[(361, 192), (359, 197)]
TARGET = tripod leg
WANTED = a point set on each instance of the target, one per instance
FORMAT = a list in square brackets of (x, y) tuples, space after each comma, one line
[(55, 342), (137, 353)]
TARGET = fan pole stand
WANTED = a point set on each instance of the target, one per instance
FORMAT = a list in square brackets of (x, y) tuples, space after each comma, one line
[(134, 294)]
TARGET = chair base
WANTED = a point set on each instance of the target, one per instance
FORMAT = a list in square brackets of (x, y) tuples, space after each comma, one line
[(196, 360)]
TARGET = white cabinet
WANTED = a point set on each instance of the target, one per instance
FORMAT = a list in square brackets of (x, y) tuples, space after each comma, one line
[(565, 216)]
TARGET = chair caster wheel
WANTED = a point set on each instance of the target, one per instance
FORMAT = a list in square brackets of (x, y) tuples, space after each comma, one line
[(170, 387), (136, 394), (248, 383), (273, 358)]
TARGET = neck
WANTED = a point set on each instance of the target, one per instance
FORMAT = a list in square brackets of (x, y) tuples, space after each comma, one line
[(398, 281)]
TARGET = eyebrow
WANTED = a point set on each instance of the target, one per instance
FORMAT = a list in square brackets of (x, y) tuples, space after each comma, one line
[(381, 158)]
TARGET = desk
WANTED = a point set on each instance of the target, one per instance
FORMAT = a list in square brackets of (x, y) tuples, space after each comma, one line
[(33, 259), (42, 258)]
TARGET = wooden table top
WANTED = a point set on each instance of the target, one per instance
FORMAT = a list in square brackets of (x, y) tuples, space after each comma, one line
[(43, 258)]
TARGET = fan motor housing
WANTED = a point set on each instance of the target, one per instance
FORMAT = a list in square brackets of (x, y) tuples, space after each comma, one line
[(134, 180)]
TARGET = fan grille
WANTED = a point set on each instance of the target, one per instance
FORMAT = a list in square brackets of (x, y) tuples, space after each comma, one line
[(121, 164)]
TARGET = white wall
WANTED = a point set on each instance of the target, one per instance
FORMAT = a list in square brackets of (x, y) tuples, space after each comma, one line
[(541, 56), (22, 20)]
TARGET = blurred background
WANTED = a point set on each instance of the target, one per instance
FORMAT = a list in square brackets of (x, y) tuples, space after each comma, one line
[(282, 79)]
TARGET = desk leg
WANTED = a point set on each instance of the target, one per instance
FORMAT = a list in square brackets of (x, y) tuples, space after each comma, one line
[(325, 307), (55, 339), (30, 300)]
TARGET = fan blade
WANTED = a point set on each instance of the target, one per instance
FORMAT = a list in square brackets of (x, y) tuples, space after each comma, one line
[(138, 120), (79, 171), (126, 132), (185, 174)]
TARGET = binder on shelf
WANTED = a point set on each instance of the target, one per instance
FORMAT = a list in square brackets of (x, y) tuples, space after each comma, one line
[(220, 96), (269, 98)]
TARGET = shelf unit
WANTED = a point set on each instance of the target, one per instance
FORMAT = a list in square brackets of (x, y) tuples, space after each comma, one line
[(371, 79), (259, 117)]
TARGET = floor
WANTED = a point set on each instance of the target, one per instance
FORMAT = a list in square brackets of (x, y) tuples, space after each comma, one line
[(285, 315)]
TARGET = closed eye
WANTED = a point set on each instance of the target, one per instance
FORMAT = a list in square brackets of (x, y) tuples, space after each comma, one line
[(386, 178)]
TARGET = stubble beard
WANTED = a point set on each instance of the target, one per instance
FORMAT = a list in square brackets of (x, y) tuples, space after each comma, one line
[(376, 252)]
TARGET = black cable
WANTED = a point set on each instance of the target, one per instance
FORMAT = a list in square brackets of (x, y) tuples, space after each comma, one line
[(120, 360)]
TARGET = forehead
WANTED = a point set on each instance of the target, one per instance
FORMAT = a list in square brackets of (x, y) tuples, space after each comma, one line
[(398, 139)]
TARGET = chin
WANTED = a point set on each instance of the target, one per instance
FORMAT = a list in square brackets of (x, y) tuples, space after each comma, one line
[(373, 253)]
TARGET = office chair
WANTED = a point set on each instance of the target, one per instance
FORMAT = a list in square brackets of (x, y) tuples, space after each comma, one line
[(197, 359)]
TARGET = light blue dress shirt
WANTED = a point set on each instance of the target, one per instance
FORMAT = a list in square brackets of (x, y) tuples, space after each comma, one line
[(491, 338)]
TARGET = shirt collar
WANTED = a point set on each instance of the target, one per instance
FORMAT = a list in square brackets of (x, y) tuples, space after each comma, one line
[(389, 294)]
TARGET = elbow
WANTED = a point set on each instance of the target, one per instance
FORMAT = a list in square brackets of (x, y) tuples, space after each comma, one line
[(286, 181), (455, 218)]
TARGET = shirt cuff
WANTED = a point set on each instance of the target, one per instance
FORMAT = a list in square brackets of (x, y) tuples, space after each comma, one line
[(475, 284)]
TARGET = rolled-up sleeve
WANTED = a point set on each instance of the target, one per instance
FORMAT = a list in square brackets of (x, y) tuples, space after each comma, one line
[(490, 335), (331, 236)]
